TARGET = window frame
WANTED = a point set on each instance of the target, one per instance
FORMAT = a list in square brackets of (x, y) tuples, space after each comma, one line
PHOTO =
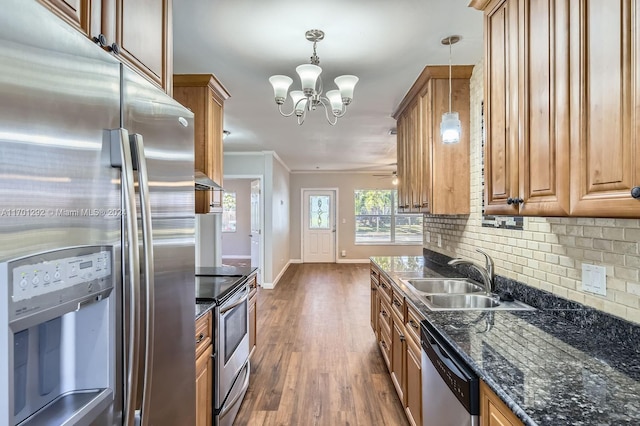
[(225, 216), (393, 216)]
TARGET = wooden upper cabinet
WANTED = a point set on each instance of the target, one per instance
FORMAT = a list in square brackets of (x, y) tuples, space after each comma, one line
[(544, 108), (204, 95), (527, 108), (142, 29), (562, 95), (605, 78), (501, 88), (434, 177)]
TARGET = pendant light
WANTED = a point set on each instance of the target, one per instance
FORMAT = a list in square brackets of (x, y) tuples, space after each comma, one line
[(450, 127)]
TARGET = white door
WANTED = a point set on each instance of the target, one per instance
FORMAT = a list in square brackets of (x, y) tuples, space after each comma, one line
[(256, 227), (319, 229)]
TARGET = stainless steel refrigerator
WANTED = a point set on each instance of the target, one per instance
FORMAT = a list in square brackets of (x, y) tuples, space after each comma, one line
[(96, 234)]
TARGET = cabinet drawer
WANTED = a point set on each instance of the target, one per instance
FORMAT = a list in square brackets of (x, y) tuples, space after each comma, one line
[(253, 285), (385, 313), (203, 333), (413, 324), (397, 305), (385, 345), (385, 287), (375, 274)]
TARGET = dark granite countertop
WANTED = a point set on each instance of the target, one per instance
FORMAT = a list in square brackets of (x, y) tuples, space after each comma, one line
[(548, 368), (203, 308)]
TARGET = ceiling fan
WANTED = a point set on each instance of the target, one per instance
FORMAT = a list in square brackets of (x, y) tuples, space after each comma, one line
[(393, 175)]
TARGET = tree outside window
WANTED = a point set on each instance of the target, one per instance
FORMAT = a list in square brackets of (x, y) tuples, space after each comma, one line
[(378, 220), (229, 212)]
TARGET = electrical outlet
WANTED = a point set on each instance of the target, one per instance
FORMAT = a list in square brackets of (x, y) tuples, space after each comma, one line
[(594, 279), (343, 253), (439, 240)]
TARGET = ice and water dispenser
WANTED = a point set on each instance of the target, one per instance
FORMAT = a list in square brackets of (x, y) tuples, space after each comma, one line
[(57, 336)]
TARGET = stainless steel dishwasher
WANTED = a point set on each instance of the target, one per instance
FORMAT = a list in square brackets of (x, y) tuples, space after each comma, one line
[(450, 389)]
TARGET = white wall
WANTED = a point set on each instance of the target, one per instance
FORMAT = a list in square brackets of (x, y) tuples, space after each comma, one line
[(346, 183), (275, 206), (238, 243)]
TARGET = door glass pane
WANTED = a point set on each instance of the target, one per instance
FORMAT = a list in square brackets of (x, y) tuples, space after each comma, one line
[(319, 212)]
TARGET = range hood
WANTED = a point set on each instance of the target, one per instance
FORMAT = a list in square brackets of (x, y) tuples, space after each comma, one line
[(204, 183)]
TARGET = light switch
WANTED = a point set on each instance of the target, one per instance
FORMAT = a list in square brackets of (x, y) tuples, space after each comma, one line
[(594, 279)]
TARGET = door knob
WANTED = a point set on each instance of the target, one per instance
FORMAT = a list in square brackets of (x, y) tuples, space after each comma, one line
[(635, 192)]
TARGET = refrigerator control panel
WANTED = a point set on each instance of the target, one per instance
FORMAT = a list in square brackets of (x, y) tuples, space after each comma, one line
[(54, 278)]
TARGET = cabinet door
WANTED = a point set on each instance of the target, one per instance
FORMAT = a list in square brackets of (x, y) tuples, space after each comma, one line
[(398, 348), (413, 407), (252, 324), (501, 124), (424, 152), (544, 108), (204, 388), (450, 162), (404, 187), (494, 412), (143, 33), (84, 15), (605, 102)]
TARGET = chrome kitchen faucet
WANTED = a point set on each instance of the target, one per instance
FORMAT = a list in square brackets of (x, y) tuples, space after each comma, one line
[(486, 272)]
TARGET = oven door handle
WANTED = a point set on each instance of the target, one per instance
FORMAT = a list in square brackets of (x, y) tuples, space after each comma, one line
[(238, 395), (224, 308)]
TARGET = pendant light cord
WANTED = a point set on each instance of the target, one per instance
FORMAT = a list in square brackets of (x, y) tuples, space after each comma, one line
[(449, 74)]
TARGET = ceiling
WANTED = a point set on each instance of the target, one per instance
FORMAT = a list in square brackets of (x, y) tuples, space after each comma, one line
[(386, 43)]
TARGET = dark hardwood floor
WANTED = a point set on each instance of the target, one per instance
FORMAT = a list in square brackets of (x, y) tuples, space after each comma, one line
[(316, 361)]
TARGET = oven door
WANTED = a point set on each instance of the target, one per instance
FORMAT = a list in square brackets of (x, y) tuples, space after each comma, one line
[(232, 339)]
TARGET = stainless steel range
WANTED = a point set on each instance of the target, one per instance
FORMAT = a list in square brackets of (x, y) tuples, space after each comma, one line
[(230, 295)]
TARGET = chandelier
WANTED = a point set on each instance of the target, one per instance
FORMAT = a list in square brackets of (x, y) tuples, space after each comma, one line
[(311, 97)]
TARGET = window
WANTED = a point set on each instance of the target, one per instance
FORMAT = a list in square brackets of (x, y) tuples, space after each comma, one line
[(229, 212), (378, 220)]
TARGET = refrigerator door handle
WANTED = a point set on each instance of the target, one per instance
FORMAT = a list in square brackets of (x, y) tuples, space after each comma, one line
[(137, 147), (121, 158)]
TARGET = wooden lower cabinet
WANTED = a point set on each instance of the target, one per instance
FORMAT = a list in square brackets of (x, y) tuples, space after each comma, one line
[(413, 400), (253, 313), (204, 370), (204, 388), (494, 412), (396, 325), (398, 356)]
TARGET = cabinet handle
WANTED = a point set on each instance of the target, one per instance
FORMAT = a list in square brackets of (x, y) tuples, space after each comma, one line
[(114, 48), (384, 345), (635, 192), (384, 313), (383, 286), (413, 324), (100, 40), (395, 302), (402, 337), (199, 338), (515, 201)]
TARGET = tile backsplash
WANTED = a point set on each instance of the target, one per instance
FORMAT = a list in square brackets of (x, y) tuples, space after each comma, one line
[(549, 252)]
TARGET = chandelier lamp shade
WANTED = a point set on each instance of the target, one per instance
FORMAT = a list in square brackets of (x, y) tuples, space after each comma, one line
[(450, 127), (334, 102)]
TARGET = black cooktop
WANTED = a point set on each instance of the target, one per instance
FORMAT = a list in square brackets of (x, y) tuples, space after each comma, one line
[(216, 289), (225, 271)]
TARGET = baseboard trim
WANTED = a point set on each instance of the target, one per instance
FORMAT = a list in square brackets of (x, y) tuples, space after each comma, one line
[(295, 261), (231, 256), (271, 286), (352, 261)]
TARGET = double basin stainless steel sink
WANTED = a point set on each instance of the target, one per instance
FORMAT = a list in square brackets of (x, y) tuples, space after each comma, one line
[(454, 294)]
